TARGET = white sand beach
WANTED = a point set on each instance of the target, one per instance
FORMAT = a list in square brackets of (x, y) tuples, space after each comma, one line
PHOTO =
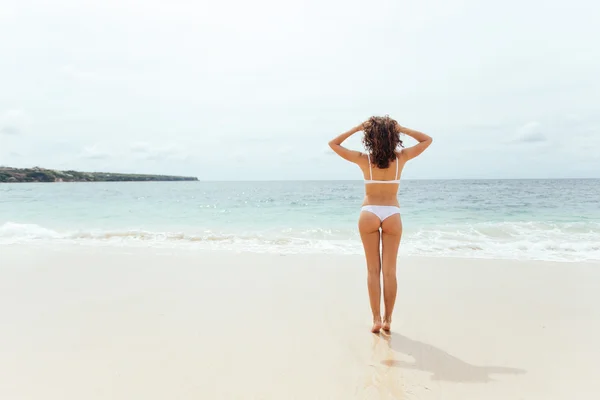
[(91, 323)]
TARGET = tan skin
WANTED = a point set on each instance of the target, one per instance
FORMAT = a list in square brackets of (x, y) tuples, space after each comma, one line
[(376, 235)]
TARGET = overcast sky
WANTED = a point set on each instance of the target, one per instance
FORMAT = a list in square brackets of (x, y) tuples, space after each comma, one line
[(255, 89)]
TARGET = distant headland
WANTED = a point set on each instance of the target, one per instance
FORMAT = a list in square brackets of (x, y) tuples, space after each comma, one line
[(37, 174)]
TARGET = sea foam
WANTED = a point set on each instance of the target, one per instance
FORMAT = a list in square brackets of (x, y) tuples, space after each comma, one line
[(578, 241)]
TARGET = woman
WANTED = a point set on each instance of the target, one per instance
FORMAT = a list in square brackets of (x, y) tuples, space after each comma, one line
[(379, 219)]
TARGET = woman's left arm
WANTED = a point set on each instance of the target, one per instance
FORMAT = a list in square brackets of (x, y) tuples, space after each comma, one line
[(347, 154)]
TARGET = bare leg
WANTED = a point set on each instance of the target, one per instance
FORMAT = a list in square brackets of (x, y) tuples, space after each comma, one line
[(390, 240), (368, 225)]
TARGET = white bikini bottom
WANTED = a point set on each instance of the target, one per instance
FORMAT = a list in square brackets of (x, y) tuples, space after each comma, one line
[(382, 212)]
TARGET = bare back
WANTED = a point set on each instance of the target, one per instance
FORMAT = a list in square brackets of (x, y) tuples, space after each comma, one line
[(386, 192)]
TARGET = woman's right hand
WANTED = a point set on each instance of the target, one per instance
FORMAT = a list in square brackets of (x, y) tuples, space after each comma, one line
[(358, 128), (363, 126)]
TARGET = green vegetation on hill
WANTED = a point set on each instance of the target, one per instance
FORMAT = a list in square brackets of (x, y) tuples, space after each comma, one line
[(50, 175)]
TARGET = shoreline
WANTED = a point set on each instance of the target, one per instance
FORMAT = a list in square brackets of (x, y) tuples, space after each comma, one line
[(45, 175), (151, 323), (175, 248)]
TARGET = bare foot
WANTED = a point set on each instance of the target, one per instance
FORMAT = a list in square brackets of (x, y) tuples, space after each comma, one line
[(387, 324), (376, 325)]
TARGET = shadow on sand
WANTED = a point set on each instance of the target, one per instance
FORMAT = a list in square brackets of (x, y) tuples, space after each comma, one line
[(442, 366)]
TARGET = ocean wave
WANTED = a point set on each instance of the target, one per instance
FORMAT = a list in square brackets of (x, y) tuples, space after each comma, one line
[(577, 241), (573, 241)]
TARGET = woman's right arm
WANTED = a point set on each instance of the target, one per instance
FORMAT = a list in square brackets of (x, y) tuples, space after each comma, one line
[(423, 139)]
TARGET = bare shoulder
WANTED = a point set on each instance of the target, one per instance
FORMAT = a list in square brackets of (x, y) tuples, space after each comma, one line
[(363, 162), (363, 158), (401, 154)]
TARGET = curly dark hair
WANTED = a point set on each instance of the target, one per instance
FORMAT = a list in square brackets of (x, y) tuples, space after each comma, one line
[(381, 139)]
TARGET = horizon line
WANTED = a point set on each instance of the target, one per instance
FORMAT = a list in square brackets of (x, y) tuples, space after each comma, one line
[(406, 179)]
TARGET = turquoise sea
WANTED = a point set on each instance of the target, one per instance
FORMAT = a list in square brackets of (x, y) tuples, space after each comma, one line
[(509, 219)]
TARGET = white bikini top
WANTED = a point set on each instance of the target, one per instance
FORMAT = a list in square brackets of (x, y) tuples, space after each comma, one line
[(367, 181)]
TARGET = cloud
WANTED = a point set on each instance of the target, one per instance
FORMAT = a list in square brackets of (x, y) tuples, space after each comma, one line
[(531, 132), (149, 151), (238, 156), (95, 153), (573, 118), (76, 73), (139, 147), (326, 151), (136, 151), (13, 122), (104, 75), (10, 130), (533, 138), (284, 150)]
